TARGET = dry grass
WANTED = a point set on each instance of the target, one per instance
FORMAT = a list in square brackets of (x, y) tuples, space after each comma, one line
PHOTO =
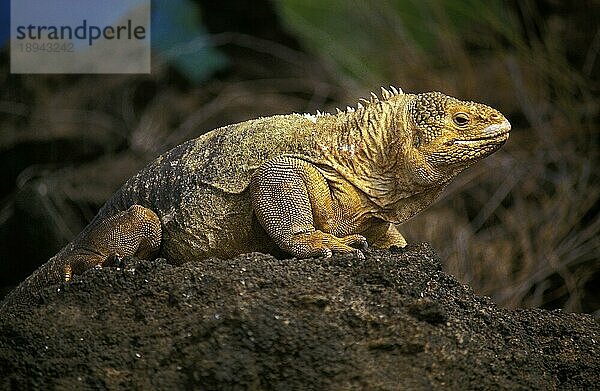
[(524, 225)]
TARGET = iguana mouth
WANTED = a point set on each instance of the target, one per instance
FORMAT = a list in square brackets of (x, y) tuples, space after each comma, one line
[(493, 133), (499, 137)]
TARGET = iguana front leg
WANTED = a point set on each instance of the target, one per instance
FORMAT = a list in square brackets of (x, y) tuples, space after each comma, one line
[(293, 203), (391, 237)]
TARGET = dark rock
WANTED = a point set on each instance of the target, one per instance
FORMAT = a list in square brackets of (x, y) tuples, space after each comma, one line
[(428, 311), (392, 321)]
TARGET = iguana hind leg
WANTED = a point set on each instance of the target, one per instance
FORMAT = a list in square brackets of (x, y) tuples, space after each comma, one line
[(136, 231), (293, 203)]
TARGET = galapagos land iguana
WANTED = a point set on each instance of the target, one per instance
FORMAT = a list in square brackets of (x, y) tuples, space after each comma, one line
[(305, 185)]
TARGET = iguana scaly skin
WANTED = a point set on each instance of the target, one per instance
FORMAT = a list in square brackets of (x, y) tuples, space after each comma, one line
[(298, 184)]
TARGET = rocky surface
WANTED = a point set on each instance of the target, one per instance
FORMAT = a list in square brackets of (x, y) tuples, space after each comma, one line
[(393, 321)]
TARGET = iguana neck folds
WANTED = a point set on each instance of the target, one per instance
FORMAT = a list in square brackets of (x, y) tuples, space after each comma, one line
[(363, 146)]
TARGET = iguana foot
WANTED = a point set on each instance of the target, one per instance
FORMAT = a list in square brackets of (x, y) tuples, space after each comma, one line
[(318, 243)]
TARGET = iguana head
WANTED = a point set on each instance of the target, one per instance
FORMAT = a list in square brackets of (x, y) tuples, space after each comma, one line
[(401, 145), (445, 135)]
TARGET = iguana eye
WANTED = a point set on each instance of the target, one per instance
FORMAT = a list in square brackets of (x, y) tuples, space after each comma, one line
[(417, 141), (460, 119)]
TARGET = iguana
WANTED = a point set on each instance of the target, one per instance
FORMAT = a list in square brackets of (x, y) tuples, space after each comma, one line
[(299, 184)]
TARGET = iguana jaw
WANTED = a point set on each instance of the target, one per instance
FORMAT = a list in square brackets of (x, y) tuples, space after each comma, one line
[(493, 134)]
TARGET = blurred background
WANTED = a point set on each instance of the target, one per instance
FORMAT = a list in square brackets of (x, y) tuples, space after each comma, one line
[(522, 226)]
